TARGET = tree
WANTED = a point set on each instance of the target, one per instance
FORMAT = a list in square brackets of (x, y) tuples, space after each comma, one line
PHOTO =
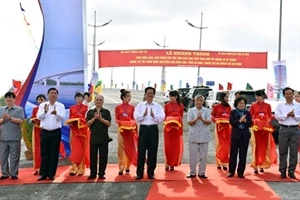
[(2, 103)]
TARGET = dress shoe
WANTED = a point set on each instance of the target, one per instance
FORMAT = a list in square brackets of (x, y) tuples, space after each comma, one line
[(262, 170), (14, 178), (41, 178), (51, 178), (256, 171), (283, 175), (167, 168), (36, 173), (292, 175), (191, 176), (3, 177), (91, 177), (102, 177), (225, 168), (172, 168), (230, 175), (151, 177), (127, 170), (202, 176), (72, 174), (110, 139), (219, 167), (138, 178), (241, 176), (120, 173)]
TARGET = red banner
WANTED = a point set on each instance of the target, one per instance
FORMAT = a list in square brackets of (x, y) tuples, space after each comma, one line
[(183, 58)]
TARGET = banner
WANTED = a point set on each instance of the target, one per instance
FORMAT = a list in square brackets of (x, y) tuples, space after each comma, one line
[(270, 91), (16, 86), (221, 87), (182, 58), (249, 87), (280, 74), (229, 86), (199, 81), (61, 58)]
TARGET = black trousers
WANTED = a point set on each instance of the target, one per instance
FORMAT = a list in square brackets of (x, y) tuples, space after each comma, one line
[(148, 140), (103, 153), (50, 142), (238, 146)]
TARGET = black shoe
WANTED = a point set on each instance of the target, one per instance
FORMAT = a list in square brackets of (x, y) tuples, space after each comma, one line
[(138, 178), (256, 171), (262, 170), (120, 173), (14, 178), (291, 175), (91, 177), (241, 176), (101, 177), (191, 176), (230, 175), (72, 174), (283, 175), (172, 168), (41, 178), (150, 177), (202, 176), (110, 139), (51, 178), (219, 167), (225, 168), (36, 173), (3, 177), (127, 170), (167, 168)]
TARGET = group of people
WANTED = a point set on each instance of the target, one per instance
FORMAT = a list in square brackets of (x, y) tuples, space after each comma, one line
[(89, 122)]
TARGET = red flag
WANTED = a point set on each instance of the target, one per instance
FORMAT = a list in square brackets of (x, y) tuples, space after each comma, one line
[(16, 86), (221, 87), (229, 86)]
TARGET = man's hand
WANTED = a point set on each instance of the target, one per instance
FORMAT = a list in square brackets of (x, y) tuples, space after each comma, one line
[(152, 113), (100, 118), (53, 111), (291, 114), (199, 117), (96, 115), (46, 108), (6, 116), (146, 112)]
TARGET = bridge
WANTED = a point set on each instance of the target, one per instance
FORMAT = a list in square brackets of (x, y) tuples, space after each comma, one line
[(43, 81)]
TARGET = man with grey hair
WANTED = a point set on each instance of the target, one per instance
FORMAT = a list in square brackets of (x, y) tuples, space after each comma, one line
[(98, 120), (199, 119), (10, 137)]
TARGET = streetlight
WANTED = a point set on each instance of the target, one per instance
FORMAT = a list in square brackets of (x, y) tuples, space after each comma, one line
[(95, 77), (163, 72), (200, 41)]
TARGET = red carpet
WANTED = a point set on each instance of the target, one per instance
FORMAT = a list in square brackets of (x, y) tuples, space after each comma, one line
[(174, 185)]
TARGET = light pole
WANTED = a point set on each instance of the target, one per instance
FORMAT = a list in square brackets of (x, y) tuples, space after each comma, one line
[(95, 26), (200, 41), (163, 72), (279, 45)]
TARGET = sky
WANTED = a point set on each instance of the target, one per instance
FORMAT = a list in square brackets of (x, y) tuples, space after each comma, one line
[(245, 25)]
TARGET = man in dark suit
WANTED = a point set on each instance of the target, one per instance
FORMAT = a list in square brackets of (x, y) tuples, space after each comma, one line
[(240, 120)]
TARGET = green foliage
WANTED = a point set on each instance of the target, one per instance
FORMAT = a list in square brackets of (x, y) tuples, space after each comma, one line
[(27, 127), (2, 103), (53, 82)]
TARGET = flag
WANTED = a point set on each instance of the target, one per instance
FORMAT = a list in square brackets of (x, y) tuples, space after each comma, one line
[(98, 88), (229, 86), (249, 87), (187, 85), (270, 91), (149, 83), (171, 87), (16, 86), (221, 87)]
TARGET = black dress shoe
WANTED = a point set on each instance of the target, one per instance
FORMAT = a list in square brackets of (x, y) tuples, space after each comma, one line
[(219, 167), (91, 177), (225, 168), (283, 175), (72, 174), (256, 171), (120, 173), (41, 178), (138, 178), (51, 178), (167, 168), (151, 177), (230, 175), (241, 176), (110, 139), (191, 176), (202, 176), (3, 177), (14, 178), (262, 170), (172, 168), (127, 170), (102, 177), (292, 175)]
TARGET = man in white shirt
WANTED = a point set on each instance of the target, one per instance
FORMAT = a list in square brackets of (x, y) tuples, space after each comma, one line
[(88, 101), (51, 114), (288, 115), (148, 114)]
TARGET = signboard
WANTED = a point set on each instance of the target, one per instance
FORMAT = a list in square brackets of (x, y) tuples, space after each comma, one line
[(210, 83), (183, 58)]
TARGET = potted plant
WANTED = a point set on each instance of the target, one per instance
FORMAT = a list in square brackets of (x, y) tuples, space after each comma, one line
[(27, 127)]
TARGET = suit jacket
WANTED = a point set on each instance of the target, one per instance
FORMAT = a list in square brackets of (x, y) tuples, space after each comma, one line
[(236, 132)]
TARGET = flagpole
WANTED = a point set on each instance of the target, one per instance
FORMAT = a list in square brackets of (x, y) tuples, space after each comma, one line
[(163, 72), (279, 44), (133, 79)]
